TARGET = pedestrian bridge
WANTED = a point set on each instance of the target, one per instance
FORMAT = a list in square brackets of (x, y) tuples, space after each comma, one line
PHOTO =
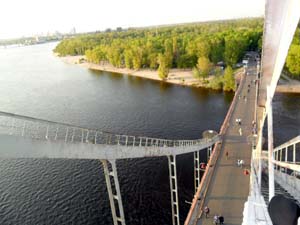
[(46, 139)]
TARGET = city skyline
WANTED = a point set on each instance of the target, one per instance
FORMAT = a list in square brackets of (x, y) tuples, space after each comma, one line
[(32, 17)]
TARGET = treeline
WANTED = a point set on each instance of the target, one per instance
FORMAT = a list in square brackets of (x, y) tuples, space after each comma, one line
[(199, 46), (293, 59)]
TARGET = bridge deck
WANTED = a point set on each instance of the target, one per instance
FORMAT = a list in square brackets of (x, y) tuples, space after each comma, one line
[(229, 187)]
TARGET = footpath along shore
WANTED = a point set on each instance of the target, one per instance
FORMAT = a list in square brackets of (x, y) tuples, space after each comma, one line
[(182, 77)]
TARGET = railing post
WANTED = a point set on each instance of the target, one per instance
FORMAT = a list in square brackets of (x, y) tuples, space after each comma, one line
[(73, 133), (294, 153), (121, 218), (87, 136), (24, 127), (286, 155), (96, 137), (66, 137), (280, 159), (47, 132), (173, 188), (55, 138)]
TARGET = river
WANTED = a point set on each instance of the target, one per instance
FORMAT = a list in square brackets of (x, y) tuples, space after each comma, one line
[(35, 83)]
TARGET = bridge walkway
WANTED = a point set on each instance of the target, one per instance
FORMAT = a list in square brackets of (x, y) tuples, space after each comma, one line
[(229, 187)]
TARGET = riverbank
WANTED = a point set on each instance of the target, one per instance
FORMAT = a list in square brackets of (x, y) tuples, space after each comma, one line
[(182, 77), (288, 85)]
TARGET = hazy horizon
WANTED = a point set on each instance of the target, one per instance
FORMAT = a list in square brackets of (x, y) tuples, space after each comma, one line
[(33, 17)]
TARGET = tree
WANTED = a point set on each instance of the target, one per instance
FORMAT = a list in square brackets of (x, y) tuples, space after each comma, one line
[(293, 60), (216, 82), (203, 66), (163, 69), (229, 82)]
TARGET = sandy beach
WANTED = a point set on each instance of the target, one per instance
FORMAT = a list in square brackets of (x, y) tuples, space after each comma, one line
[(176, 76)]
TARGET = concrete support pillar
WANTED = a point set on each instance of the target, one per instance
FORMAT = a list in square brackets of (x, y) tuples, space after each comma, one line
[(196, 170), (270, 146), (174, 190), (117, 219)]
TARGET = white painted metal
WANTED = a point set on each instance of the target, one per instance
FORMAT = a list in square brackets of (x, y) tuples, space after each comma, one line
[(196, 169), (117, 219), (281, 20), (294, 153), (270, 147), (47, 130), (173, 189), (109, 190), (117, 186), (25, 147), (286, 157)]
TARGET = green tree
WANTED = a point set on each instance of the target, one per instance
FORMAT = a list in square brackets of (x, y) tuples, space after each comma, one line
[(229, 82), (163, 69), (203, 66), (293, 60)]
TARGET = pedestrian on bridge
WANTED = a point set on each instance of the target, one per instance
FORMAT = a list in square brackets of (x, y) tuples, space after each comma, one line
[(206, 211), (240, 131), (221, 219), (216, 219)]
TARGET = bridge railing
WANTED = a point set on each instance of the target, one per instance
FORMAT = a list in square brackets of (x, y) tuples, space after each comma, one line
[(24, 126), (287, 157)]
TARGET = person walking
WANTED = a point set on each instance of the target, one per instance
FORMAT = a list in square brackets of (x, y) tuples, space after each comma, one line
[(242, 163), (221, 219), (216, 219), (226, 154), (206, 211), (240, 131)]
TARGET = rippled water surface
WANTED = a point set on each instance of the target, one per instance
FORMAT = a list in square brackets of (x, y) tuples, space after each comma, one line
[(33, 191)]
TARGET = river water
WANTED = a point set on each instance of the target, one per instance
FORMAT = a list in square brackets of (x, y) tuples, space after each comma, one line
[(33, 191)]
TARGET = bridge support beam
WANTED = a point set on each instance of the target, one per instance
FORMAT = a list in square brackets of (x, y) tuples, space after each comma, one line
[(114, 196), (270, 146), (196, 170), (174, 190)]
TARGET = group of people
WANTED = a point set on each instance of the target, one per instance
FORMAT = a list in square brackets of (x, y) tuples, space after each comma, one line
[(217, 219)]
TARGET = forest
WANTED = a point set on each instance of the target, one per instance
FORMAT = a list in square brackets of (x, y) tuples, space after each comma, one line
[(197, 46)]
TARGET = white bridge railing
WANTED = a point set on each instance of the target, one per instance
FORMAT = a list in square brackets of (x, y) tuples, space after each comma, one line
[(24, 126)]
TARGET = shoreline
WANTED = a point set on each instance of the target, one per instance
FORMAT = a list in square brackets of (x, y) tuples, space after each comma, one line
[(183, 77)]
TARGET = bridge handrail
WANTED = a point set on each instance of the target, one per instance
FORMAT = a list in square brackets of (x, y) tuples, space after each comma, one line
[(293, 141), (44, 129)]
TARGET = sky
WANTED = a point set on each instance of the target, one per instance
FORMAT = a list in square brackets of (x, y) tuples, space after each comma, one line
[(31, 17)]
